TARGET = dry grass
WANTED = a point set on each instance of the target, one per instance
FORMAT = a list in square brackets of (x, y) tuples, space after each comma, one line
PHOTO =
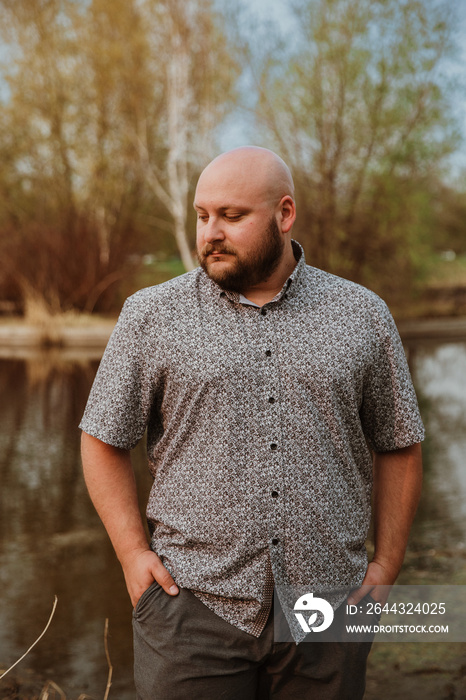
[(51, 691), (24, 688), (43, 325), (50, 320)]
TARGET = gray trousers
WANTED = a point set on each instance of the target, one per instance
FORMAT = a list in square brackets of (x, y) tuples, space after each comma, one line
[(184, 651)]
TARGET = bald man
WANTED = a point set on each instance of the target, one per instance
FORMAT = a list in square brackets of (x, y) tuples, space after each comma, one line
[(271, 392)]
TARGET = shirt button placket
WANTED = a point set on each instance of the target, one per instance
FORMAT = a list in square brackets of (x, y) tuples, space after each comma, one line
[(272, 424)]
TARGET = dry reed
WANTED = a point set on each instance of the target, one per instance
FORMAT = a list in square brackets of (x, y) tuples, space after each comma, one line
[(52, 691)]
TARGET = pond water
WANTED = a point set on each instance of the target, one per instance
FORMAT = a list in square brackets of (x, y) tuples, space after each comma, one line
[(52, 542)]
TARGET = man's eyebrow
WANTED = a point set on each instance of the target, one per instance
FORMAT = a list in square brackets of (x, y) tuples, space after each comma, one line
[(225, 207)]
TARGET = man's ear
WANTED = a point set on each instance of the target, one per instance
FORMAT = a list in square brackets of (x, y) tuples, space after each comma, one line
[(287, 214)]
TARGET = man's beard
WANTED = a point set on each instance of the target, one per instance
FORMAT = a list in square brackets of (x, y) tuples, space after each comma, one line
[(243, 274)]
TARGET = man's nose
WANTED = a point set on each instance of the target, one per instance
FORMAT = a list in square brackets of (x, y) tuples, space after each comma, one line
[(213, 230)]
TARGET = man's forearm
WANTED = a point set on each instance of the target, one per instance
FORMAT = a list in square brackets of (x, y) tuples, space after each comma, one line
[(397, 489), (112, 487), (109, 477)]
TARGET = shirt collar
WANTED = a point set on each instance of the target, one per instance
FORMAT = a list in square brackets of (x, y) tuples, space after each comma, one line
[(288, 288)]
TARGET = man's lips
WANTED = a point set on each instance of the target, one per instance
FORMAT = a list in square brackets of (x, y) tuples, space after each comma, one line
[(216, 253)]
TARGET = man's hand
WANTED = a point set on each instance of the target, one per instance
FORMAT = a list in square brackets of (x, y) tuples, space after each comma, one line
[(141, 569), (377, 582)]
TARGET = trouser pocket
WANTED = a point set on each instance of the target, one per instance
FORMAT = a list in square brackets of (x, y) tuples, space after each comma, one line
[(145, 599)]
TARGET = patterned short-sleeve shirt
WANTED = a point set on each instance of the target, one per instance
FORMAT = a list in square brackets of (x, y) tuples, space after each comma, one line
[(260, 423)]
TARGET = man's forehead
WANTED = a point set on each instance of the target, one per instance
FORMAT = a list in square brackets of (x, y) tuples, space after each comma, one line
[(224, 199), (228, 192)]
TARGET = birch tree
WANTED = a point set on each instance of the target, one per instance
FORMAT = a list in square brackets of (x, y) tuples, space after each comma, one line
[(191, 57)]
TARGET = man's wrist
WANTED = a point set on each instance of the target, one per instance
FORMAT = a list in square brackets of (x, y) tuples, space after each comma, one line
[(128, 556), (388, 568)]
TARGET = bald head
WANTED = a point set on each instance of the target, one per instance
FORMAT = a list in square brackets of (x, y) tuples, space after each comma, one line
[(257, 170)]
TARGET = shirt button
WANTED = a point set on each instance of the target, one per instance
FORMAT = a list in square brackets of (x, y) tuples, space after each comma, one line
[(268, 353), (271, 399), (273, 446), (263, 312), (274, 494), (275, 540)]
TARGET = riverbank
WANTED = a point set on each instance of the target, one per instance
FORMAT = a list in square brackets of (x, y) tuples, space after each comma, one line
[(77, 331), (91, 334), (451, 328)]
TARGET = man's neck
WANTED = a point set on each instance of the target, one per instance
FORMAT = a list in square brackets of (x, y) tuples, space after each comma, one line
[(265, 291)]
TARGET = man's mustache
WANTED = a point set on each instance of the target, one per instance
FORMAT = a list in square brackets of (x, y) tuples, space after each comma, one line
[(208, 249)]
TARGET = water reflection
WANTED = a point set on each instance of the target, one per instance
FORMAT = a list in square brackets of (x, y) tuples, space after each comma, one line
[(52, 542), (439, 372)]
